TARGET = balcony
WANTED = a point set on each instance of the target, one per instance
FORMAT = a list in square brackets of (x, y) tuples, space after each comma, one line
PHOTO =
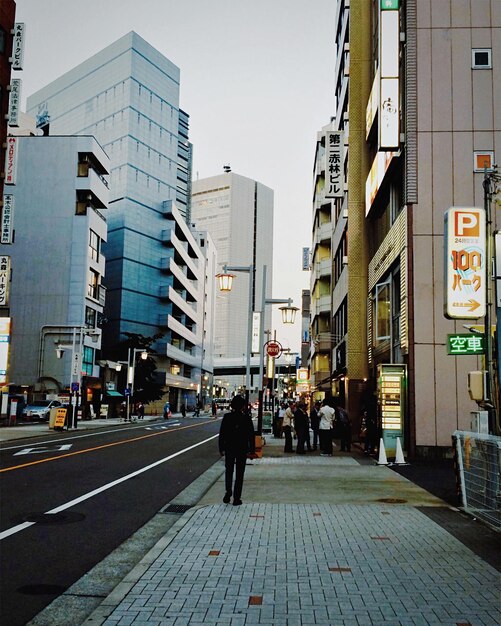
[(323, 233), (93, 184), (321, 305), (323, 268)]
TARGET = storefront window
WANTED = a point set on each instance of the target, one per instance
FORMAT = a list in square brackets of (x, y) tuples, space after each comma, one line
[(383, 311)]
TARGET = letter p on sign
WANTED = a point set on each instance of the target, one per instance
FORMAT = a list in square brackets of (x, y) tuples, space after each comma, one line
[(467, 224)]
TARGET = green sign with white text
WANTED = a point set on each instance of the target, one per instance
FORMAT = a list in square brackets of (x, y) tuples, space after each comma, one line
[(465, 344), (389, 5)]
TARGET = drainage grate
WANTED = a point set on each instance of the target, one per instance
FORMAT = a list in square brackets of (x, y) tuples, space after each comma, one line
[(392, 500), (176, 508), (66, 517)]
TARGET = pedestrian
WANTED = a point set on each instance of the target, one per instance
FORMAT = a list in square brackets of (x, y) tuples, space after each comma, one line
[(236, 441), (287, 426), (325, 428), (140, 410), (123, 411), (370, 418), (183, 409), (280, 420), (196, 412), (344, 425), (214, 408), (167, 412), (301, 426), (315, 422)]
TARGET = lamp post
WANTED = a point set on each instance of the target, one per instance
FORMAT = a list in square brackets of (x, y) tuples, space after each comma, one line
[(225, 279), (288, 317)]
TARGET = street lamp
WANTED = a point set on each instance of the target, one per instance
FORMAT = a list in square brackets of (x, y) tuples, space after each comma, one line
[(225, 279)]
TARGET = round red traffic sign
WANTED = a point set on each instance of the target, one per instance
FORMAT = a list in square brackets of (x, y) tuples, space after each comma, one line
[(273, 349)]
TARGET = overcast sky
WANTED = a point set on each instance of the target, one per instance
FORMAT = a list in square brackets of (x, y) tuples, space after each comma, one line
[(256, 80)]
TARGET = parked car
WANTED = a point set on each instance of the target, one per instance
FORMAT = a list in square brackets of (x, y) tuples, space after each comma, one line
[(39, 410)]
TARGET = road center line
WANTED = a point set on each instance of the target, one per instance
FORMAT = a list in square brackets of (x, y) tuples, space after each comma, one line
[(101, 447), (95, 492)]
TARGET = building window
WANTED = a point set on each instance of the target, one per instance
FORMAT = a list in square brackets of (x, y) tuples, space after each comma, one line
[(88, 360), (90, 317), (481, 59), (383, 311), (93, 285), (94, 245)]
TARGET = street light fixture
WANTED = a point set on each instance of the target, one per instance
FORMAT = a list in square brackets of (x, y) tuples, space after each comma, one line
[(131, 372), (225, 279)]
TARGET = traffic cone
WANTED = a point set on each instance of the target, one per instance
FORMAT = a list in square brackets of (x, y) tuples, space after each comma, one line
[(399, 458), (382, 460)]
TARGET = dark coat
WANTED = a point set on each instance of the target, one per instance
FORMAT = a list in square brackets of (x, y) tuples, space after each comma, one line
[(301, 421), (236, 434), (314, 418)]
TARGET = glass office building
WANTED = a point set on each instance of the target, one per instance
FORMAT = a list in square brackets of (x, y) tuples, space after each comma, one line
[(127, 96)]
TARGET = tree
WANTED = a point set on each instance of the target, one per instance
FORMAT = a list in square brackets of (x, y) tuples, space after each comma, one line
[(146, 386)]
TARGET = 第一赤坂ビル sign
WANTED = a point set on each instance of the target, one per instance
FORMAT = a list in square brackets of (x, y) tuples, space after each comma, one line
[(464, 263)]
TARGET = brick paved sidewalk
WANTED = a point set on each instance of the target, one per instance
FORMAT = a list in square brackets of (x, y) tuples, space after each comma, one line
[(328, 564)]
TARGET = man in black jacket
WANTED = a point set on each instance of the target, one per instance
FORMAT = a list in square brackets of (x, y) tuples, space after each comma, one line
[(236, 440)]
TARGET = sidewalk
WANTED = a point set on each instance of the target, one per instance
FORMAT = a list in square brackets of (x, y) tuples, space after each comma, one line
[(330, 541)]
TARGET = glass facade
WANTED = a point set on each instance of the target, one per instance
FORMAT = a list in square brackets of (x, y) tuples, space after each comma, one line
[(127, 96)]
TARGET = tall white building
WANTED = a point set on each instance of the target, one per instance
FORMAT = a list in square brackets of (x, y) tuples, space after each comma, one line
[(238, 213)]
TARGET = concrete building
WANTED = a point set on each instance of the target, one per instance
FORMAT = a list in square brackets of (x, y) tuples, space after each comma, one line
[(238, 213), (421, 109), (127, 96), (54, 249)]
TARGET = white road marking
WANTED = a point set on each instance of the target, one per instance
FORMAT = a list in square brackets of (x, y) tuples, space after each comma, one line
[(60, 448), (163, 426), (95, 492)]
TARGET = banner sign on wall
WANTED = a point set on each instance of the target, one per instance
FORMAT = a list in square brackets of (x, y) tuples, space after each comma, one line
[(334, 168), (389, 72), (4, 280), (11, 161), (7, 217), (464, 263), (18, 45), (14, 101)]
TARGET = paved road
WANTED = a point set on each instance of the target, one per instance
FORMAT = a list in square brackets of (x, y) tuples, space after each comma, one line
[(88, 492)]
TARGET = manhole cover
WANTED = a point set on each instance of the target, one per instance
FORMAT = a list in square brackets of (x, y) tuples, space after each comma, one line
[(176, 508), (66, 517), (52, 590), (391, 500)]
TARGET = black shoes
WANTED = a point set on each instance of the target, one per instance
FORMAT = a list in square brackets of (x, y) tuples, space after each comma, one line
[(227, 497), (237, 502)]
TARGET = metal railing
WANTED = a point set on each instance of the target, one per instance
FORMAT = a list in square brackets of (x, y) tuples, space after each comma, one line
[(478, 462)]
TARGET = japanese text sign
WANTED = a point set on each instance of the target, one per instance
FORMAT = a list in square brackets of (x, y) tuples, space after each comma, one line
[(7, 215), (11, 161), (4, 280), (18, 46), (464, 263), (465, 344), (334, 166), (14, 101)]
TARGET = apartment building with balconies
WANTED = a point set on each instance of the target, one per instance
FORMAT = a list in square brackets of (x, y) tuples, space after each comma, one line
[(127, 96), (53, 243)]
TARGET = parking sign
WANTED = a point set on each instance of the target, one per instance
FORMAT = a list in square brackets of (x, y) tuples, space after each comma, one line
[(464, 263)]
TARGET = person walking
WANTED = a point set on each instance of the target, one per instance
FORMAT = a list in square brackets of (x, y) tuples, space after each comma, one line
[(236, 440), (214, 408), (326, 425), (315, 423), (167, 412), (302, 427), (287, 426), (344, 423), (183, 409), (140, 410)]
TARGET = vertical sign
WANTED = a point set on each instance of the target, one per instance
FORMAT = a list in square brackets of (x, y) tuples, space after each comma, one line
[(256, 325), (14, 101), (464, 263), (4, 280), (334, 169), (11, 161), (7, 215), (18, 46), (306, 259), (4, 347), (389, 64)]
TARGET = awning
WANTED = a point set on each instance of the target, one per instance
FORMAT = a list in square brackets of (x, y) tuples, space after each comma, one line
[(114, 394)]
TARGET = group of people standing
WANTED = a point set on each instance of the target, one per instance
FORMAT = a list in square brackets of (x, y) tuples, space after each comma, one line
[(324, 421)]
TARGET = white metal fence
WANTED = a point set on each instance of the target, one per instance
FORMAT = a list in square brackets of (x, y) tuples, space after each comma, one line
[(478, 459)]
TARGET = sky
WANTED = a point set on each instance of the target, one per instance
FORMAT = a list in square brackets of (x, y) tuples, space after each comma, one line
[(256, 80)]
